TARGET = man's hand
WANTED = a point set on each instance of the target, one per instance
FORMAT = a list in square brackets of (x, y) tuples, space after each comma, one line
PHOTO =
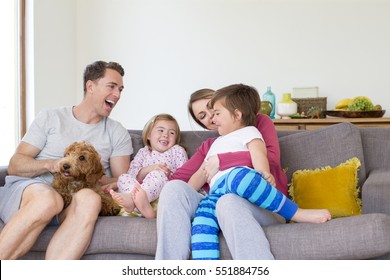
[(54, 166), (111, 186)]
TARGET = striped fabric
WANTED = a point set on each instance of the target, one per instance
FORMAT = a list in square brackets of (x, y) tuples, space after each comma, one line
[(245, 182)]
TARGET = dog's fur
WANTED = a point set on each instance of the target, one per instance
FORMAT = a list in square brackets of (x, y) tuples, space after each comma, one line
[(81, 168)]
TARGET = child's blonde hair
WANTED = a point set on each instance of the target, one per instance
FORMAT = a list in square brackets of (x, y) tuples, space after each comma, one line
[(244, 98), (152, 122)]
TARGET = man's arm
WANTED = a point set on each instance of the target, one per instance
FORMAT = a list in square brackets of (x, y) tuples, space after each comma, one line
[(118, 165), (24, 164)]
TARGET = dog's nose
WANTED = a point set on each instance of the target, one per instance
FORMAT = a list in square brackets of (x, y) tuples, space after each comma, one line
[(66, 166)]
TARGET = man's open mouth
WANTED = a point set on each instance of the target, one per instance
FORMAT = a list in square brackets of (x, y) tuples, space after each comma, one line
[(110, 103)]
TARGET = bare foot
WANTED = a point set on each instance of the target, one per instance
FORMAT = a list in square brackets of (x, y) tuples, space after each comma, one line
[(316, 216), (142, 203), (124, 199)]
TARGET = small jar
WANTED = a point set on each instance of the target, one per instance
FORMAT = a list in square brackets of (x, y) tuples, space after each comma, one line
[(270, 96), (265, 108), (286, 107)]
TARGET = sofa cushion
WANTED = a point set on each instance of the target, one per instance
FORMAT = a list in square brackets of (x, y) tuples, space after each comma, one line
[(136, 141), (376, 147), (356, 237), (329, 188), (325, 146), (375, 192)]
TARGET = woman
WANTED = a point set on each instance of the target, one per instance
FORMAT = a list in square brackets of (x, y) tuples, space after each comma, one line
[(178, 201)]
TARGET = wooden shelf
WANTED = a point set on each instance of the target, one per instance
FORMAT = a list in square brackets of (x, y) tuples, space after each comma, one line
[(311, 124)]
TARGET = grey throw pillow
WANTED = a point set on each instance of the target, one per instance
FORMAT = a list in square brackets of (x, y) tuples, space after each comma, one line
[(327, 146)]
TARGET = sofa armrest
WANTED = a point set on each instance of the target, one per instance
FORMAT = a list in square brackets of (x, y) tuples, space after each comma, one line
[(3, 173), (376, 192)]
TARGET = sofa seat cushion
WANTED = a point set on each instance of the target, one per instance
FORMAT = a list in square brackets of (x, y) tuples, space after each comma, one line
[(329, 188), (356, 237), (116, 238), (124, 235), (322, 147), (118, 234)]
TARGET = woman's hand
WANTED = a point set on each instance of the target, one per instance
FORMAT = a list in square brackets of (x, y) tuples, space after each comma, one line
[(211, 167)]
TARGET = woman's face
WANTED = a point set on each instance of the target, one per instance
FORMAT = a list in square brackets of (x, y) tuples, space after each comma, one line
[(203, 113)]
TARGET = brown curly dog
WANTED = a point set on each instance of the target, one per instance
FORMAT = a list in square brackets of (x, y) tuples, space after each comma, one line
[(81, 168)]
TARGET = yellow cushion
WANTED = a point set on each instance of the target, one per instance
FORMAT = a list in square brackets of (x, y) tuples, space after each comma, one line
[(329, 188)]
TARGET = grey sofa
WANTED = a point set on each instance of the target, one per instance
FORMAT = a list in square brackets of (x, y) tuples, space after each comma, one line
[(359, 237)]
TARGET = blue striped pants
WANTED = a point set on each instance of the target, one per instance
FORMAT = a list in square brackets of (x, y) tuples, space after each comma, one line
[(247, 183)]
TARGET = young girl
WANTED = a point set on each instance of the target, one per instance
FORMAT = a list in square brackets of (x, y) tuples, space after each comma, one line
[(235, 108), (152, 166)]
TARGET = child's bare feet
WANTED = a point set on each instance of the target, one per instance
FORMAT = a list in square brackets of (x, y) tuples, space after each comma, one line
[(142, 203), (316, 216), (124, 199)]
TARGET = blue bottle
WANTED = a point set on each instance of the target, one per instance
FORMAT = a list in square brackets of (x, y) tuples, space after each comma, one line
[(270, 96)]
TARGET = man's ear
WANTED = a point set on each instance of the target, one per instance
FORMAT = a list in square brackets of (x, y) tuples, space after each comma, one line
[(89, 86), (237, 114)]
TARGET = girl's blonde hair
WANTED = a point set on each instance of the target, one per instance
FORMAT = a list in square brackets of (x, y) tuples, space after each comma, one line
[(152, 122), (201, 94)]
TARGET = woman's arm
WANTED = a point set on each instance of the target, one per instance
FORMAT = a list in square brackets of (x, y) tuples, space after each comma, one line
[(185, 172), (198, 179)]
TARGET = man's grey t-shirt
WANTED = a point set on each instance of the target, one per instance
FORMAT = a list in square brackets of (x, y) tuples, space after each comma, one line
[(55, 129)]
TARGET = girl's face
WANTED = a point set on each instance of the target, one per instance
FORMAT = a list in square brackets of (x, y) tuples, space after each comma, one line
[(163, 136), (203, 113), (225, 121)]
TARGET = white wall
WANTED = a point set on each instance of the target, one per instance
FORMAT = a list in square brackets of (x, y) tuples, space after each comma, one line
[(51, 80), (171, 48)]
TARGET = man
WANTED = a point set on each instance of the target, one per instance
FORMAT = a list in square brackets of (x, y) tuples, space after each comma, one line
[(28, 203)]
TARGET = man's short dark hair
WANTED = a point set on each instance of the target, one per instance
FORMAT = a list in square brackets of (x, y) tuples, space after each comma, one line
[(96, 71)]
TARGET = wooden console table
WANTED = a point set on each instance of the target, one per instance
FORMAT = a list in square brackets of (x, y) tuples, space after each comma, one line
[(311, 124)]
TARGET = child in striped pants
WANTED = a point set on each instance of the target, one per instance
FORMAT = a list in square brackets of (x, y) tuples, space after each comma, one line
[(235, 108)]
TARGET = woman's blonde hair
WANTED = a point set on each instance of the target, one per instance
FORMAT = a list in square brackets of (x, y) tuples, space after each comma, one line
[(152, 122), (201, 94)]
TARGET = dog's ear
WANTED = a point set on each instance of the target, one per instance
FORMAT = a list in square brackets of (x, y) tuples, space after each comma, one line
[(70, 148), (67, 150), (97, 170), (96, 173)]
